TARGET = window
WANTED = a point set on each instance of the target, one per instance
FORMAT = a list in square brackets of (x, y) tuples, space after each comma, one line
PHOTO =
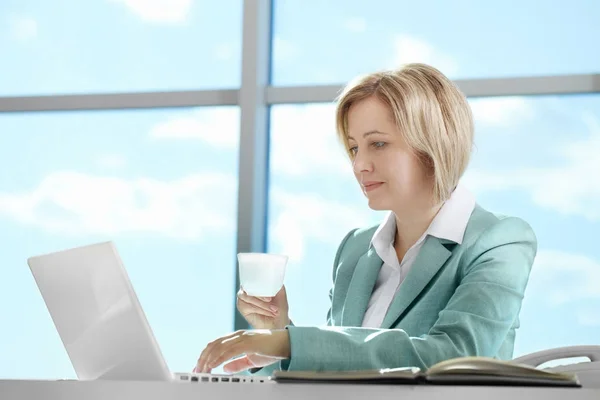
[(535, 157), (69, 46), (162, 184), (464, 39)]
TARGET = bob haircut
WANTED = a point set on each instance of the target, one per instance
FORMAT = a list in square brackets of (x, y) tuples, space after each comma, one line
[(433, 115)]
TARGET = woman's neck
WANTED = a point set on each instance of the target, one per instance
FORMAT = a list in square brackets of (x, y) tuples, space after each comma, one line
[(410, 226)]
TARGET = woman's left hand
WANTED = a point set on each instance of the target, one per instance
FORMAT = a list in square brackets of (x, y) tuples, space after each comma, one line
[(259, 347)]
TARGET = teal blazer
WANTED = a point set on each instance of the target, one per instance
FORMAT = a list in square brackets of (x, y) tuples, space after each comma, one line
[(456, 300)]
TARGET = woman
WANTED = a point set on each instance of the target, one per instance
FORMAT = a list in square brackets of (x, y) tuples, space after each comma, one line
[(439, 278)]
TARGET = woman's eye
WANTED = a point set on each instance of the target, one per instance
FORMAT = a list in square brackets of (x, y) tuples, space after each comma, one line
[(379, 144), (353, 150)]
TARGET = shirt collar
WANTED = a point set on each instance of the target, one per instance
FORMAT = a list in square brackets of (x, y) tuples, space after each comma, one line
[(449, 223)]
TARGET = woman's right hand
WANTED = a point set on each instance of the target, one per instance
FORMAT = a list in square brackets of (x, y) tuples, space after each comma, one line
[(264, 312)]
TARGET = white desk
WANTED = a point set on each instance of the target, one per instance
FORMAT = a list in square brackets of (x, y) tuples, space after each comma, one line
[(114, 390)]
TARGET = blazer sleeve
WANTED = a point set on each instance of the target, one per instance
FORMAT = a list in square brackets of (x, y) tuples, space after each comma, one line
[(475, 321)]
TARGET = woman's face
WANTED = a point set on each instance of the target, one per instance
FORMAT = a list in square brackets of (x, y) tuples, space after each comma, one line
[(390, 175)]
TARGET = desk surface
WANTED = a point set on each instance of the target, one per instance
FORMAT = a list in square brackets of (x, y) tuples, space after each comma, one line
[(116, 390)]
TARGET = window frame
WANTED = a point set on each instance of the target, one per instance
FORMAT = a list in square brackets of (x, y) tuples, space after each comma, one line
[(254, 98)]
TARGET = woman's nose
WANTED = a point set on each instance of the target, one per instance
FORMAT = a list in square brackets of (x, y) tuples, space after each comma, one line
[(361, 164)]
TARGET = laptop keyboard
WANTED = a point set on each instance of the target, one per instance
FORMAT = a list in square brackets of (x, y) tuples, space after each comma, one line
[(212, 378)]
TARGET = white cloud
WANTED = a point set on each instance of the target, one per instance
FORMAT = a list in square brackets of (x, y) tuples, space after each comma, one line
[(355, 24), (23, 28), (502, 111), (561, 278), (111, 161), (219, 127), (303, 141), (409, 49), (74, 203), (306, 216), (159, 11), (570, 187), (571, 277)]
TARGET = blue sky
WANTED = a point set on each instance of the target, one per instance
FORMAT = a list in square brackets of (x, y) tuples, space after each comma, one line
[(162, 183)]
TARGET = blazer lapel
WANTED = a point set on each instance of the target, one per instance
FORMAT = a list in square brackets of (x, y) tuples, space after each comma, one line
[(360, 289), (430, 259)]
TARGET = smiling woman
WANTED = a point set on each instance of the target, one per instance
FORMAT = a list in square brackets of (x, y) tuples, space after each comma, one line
[(155, 183), (441, 277)]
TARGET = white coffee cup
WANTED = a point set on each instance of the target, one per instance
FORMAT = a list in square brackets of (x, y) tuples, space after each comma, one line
[(261, 274)]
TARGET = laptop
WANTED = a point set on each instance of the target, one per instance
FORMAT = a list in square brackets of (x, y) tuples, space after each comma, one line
[(100, 320)]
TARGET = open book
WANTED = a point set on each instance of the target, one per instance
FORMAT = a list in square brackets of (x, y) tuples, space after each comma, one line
[(457, 371)]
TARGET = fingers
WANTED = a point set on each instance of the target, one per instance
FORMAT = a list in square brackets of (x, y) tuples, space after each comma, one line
[(258, 348), (238, 365), (251, 304), (265, 299), (208, 350), (248, 308), (222, 354), (202, 359), (219, 351)]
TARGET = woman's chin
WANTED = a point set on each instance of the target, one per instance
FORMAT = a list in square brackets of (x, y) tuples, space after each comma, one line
[(376, 205)]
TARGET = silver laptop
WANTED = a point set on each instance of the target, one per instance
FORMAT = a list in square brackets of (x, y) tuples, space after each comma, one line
[(100, 320)]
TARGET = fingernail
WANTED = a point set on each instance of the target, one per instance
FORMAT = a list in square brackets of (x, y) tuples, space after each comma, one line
[(267, 299), (273, 308)]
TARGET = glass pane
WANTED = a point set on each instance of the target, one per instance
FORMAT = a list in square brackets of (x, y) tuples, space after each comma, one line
[(464, 38), (71, 46), (159, 183), (535, 157)]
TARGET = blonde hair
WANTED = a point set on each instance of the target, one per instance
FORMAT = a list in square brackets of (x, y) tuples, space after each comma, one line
[(430, 111)]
